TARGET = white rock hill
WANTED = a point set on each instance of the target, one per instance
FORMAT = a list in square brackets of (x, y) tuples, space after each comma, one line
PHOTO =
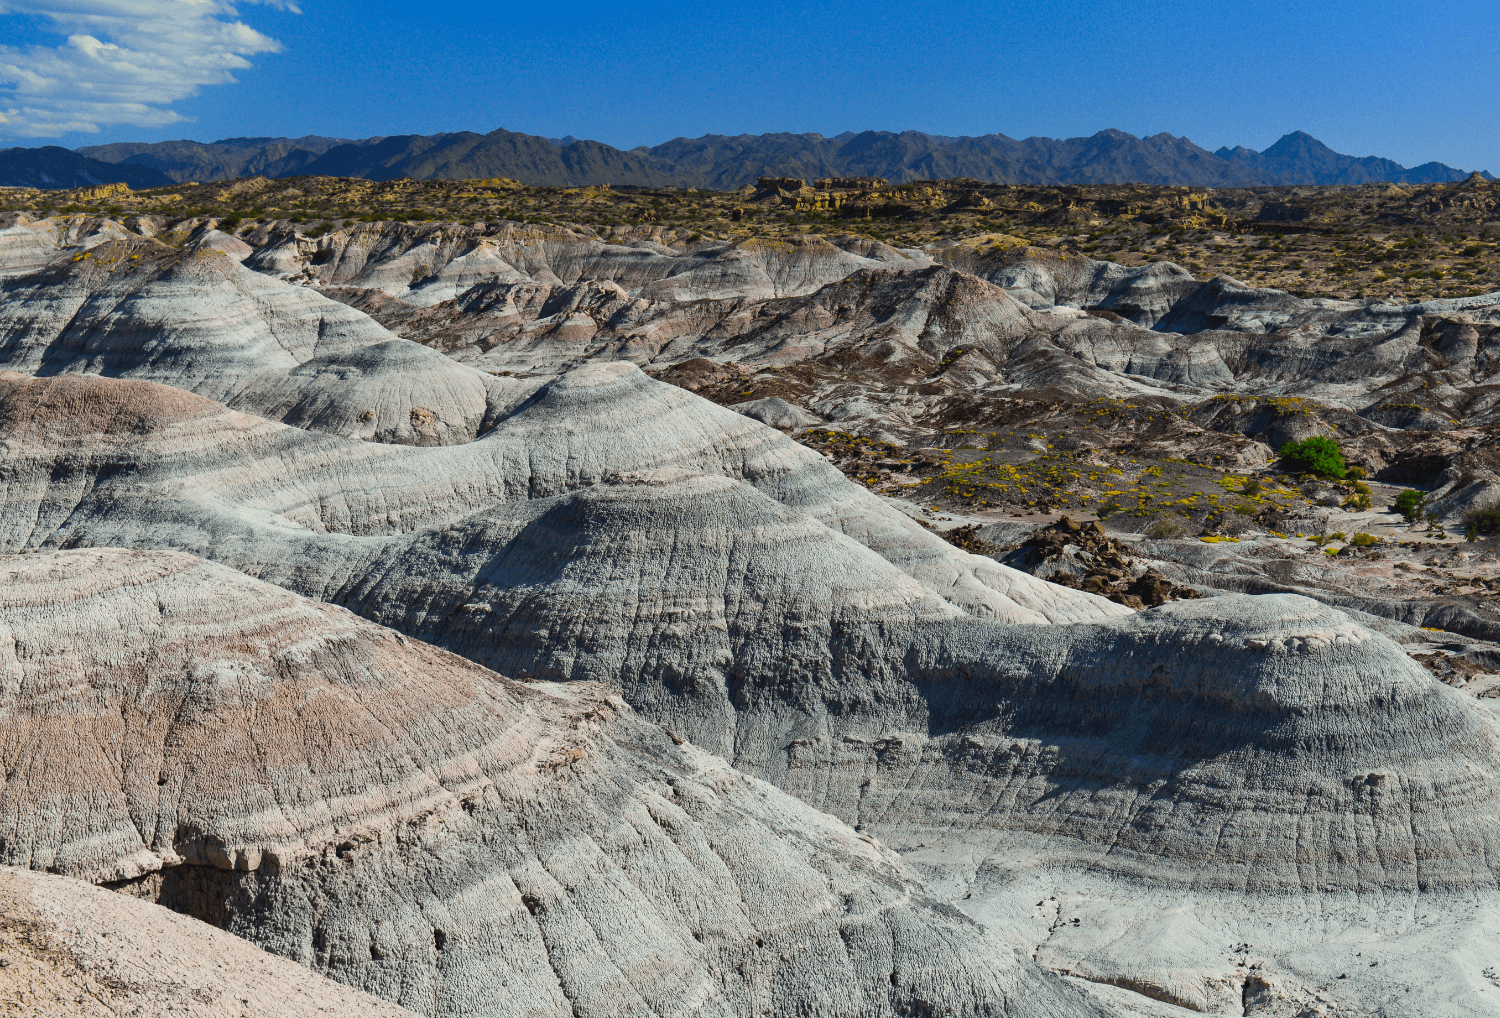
[(414, 826), (1265, 754), (194, 317), (1224, 804)]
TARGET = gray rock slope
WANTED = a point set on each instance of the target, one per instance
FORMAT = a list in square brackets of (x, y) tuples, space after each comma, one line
[(770, 630), (412, 825), (1240, 770), (212, 315), (424, 266), (184, 311), (270, 497), (1237, 751), (1029, 320), (73, 950)]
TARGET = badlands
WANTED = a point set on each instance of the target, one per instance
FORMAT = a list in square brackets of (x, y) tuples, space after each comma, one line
[(492, 617)]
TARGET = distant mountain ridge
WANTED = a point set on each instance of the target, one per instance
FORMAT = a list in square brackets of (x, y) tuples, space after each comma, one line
[(55, 168), (226, 159), (724, 162)]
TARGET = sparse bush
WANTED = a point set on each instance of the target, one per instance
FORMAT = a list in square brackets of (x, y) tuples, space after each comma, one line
[(1435, 529), (1164, 530), (1410, 504), (229, 223), (1317, 455), (1363, 540), (1361, 498), (1483, 521), (967, 538), (1251, 487), (1356, 473)]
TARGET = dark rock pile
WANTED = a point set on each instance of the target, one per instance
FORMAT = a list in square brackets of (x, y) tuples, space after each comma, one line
[(967, 537), (1083, 557)]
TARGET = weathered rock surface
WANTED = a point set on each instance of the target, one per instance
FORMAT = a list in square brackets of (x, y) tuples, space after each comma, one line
[(1032, 323), (1017, 321), (73, 950), (1266, 768), (776, 412), (1386, 583), (268, 497), (725, 594), (410, 824), (193, 317), (425, 265)]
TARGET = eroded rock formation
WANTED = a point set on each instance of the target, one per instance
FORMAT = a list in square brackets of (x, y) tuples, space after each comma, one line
[(688, 603), (413, 825)]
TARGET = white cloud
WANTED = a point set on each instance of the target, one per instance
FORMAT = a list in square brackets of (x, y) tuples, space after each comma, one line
[(124, 62)]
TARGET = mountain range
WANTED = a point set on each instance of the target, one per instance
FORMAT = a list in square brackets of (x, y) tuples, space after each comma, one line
[(717, 162)]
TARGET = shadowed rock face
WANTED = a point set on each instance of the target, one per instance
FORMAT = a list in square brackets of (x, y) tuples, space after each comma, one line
[(413, 825), (1263, 744)]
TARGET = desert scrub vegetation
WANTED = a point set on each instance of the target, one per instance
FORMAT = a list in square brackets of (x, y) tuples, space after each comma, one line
[(1364, 241), (1317, 455), (1481, 522), (1410, 504)]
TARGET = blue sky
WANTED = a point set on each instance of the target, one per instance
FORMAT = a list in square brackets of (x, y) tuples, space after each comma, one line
[(1411, 81)]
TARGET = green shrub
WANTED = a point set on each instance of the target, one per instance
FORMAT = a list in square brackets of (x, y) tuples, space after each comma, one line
[(229, 223), (1316, 455), (1435, 529), (1357, 473), (1363, 540), (1409, 504), (1483, 521)]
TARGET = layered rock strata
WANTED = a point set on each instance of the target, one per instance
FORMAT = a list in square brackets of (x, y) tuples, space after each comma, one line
[(412, 825)]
